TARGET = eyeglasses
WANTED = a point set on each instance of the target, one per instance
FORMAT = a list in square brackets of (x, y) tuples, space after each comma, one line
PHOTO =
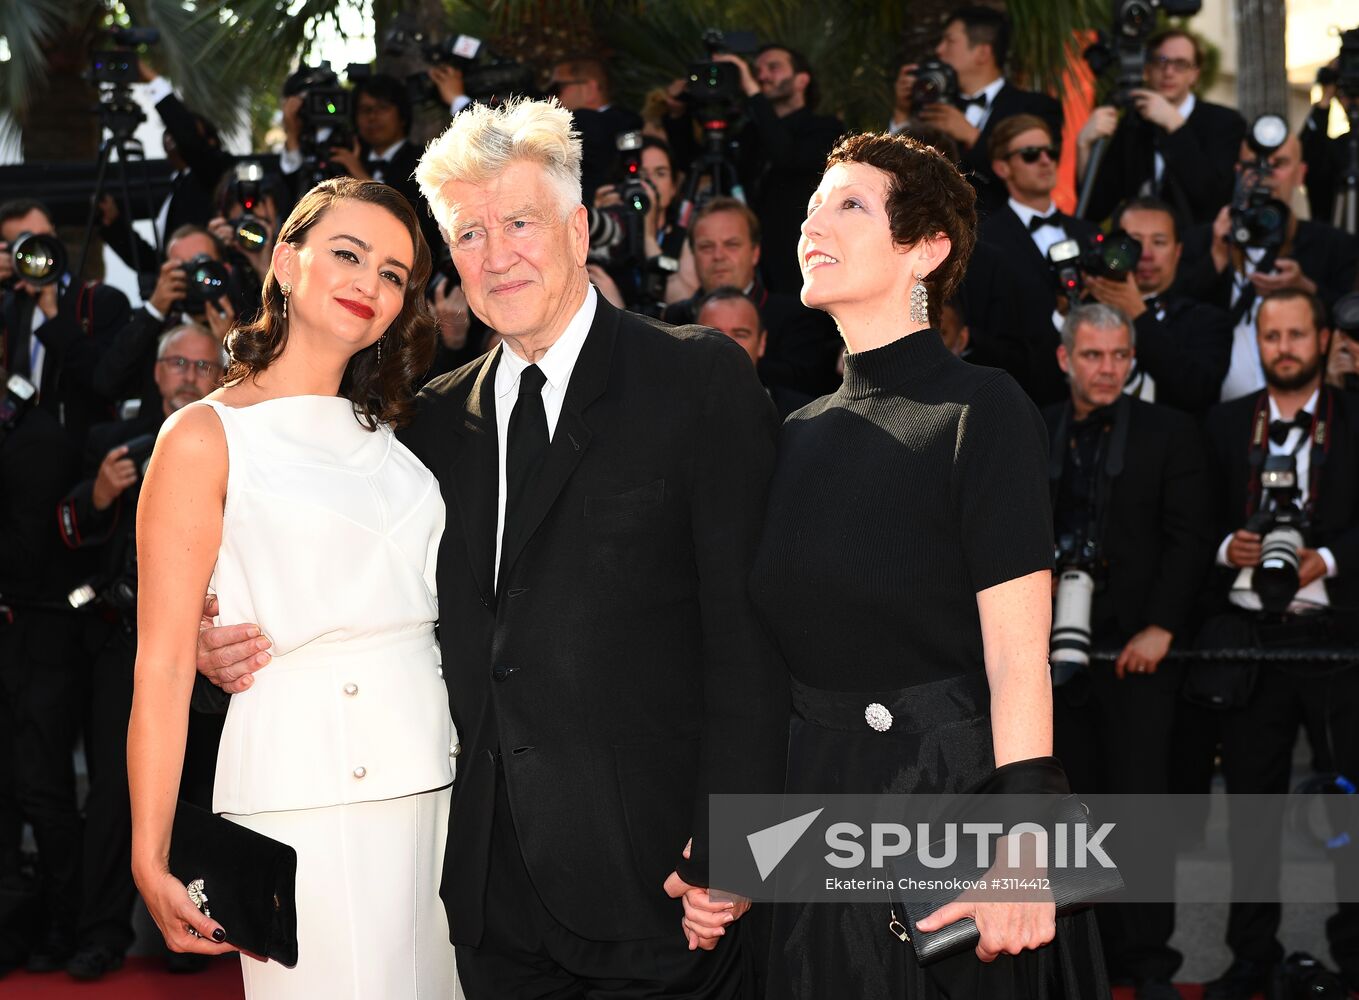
[(1166, 62), (180, 364), (1030, 154)]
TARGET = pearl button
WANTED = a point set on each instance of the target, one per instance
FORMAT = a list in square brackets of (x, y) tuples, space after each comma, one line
[(360, 771), (439, 671), (351, 689), (455, 750)]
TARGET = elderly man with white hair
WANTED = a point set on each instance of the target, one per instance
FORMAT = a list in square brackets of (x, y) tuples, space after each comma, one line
[(605, 477)]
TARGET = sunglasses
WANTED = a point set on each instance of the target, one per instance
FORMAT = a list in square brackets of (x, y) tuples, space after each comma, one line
[(1030, 154)]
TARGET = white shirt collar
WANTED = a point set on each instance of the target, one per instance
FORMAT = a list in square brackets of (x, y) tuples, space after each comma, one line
[(1186, 107), (560, 358), (1026, 213), (1310, 406), (387, 154), (989, 91)]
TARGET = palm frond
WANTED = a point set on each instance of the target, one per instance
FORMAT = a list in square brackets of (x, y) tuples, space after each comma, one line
[(28, 27)]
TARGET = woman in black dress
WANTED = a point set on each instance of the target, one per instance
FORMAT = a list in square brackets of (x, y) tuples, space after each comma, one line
[(905, 573)]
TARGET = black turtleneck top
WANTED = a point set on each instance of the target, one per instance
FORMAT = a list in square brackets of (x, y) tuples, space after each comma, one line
[(920, 482)]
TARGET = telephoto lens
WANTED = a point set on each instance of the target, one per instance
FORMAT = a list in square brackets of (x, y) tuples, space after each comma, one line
[(39, 259), (1070, 648), (1276, 578)]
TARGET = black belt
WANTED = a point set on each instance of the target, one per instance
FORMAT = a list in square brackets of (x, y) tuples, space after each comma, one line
[(914, 709)]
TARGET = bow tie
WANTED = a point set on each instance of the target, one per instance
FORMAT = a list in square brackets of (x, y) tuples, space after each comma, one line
[(966, 102), (1280, 429), (1040, 221)]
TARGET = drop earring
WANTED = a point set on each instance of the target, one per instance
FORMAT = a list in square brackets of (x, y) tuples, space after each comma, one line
[(920, 301), (380, 340), (287, 290)]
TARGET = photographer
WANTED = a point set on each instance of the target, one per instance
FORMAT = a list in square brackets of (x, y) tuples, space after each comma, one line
[(1023, 230), (1170, 143), (250, 204), (975, 43), (55, 334), (1286, 464), (1183, 346), (1130, 504), (197, 161), (802, 343), (1325, 156), (781, 151), (128, 368), (729, 310), (1342, 365), (1294, 254), (581, 84), (100, 515), (44, 658)]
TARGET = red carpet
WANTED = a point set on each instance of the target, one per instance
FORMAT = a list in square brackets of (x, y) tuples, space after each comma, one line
[(146, 979), (139, 979)]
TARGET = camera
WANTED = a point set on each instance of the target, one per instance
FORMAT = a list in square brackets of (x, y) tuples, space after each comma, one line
[(1123, 49), (1345, 318), (327, 116), (208, 280), (17, 396), (251, 232), (1347, 74), (618, 232), (486, 77), (1282, 525), (117, 589), (1105, 255), (935, 83), (1258, 219), (1302, 977), (1069, 648), (713, 89), (39, 259)]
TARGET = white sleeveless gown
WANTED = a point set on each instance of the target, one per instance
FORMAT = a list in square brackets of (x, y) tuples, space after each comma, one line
[(343, 747)]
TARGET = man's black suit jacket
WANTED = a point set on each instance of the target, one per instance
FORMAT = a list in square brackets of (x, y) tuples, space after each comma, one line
[(1200, 162), (976, 162), (1335, 518), (75, 340), (1187, 352), (400, 174), (1041, 378), (1158, 537), (1324, 253), (801, 344), (619, 668)]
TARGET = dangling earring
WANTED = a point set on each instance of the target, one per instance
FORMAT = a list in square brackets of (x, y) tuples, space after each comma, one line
[(287, 290), (920, 301), (380, 340)]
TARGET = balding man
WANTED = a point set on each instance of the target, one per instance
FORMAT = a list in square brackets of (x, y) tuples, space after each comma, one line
[(1315, 259)]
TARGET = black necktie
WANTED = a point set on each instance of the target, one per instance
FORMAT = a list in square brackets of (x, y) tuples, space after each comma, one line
[(1280, 429), (1040, 221), (525, 446), (966, 102)]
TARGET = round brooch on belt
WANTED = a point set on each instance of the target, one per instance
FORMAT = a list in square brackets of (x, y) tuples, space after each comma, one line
[(878, 717)]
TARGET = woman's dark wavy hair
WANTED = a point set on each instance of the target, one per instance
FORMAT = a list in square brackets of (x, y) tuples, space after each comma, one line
[(925, 195), (381, 393)]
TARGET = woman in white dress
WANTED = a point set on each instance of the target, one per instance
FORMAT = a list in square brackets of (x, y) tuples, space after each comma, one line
[(288, 495)]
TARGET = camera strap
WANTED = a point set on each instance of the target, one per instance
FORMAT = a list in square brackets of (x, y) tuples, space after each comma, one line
[(1319, 435), (1108, 464)]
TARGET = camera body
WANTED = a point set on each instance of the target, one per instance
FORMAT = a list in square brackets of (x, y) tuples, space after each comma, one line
[(486, 76), (1282, 526), (39, 259), (713, 89), (207, 281), (1105, 255), (327, 116), (1123, 49), (251, 233), (1347, 73), (17, 396), (1258, 219), (1078, 562), (935, 82)]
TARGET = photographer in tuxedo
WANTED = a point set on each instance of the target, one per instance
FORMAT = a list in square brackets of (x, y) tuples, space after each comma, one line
[(1129, 495), (1170, 143), (1286, 464)]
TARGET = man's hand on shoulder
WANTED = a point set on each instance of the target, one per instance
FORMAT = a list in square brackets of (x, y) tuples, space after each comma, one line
[(229, 655)]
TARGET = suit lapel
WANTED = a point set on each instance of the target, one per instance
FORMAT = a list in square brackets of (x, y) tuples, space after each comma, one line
[(1020, 235), (476, 475), (589, 379)]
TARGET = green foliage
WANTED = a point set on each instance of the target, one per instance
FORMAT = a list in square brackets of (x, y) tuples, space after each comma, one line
[(28, 27)]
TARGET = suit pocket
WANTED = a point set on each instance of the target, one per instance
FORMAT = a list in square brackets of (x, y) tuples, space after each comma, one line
[(633, 501)]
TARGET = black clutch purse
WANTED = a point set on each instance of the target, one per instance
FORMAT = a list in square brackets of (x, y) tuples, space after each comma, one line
[(244, 880), (1070, 887)]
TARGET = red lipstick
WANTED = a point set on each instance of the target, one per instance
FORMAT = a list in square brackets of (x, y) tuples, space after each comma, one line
[(357, 308)]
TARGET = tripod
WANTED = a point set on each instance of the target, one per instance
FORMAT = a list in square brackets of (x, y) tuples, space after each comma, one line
[(119, 115), (1347, 198)]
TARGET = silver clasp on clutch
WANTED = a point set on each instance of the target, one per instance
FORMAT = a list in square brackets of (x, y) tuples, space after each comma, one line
[(897, 927)]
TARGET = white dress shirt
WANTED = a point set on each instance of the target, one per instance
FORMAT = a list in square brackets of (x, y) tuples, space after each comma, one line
[(1313, 596), (1185, 109), (975, 114), (1244, 374), (1045, 237), (556, 366)]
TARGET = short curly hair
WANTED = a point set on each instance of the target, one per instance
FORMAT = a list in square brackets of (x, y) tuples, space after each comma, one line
[(926, 195), (382, 391)]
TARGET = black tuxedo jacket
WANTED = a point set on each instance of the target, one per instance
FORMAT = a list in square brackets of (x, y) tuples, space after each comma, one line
[(75, 340), (1335, 517), (976, 162), (1037, 298), (1187, 352), (1200, 162), (400, 174), (619, 669), (1158, 539), (1325, 254), (801, 345)]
